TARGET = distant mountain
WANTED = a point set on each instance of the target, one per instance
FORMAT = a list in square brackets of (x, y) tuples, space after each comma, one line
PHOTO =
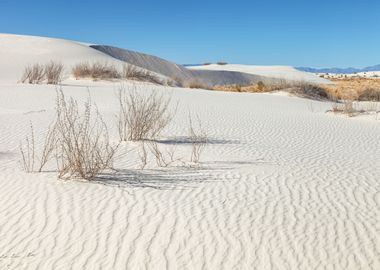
[(349, 70)]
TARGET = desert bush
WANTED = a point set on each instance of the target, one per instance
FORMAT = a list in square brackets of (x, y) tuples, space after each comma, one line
[(131, 72), (34, 74), (176, 81), (28, 152), (81, 70), (78, 140), (309, 90), (53, 72), (221, 63), (83, 149), (370, 94), (344, 107), (142, 116), (198, 85), (260, 86), (96, 71), (198, 139)]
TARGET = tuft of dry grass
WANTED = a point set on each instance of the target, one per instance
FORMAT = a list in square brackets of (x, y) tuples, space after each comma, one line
[(34, 74), (198, 139), (142, 116), (95, 71), (78, 140), (53, 72), (198, 85), (83, 149), (131, 72), (37, 73), (363, 89)]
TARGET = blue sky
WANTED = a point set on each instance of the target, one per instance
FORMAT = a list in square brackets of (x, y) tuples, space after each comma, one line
[(288, 32)]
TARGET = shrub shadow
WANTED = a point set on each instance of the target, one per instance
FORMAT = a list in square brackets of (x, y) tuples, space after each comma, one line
[(165, 179)]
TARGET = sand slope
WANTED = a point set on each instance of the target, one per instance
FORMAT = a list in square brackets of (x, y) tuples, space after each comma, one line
[(279, 72), (281, 187), (18, 51), (180, 73)]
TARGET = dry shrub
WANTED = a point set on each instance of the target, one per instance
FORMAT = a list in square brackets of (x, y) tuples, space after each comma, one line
[(81, 70), (83, 149), (96, 71), (198, 139), (78, 140), (142, 116), (53, 72), (363, 89), (177, 81), (28, 151), (309, 90), (198, 85), (34, 74), (346, 107), (369, 95), (131, 72), (222, 63), (298, 88)]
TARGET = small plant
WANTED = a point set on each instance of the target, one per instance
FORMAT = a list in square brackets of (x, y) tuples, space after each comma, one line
[(96, 71), (221, 63), (34, 74), (53, 72), (260, 86), (198, 139), (28, 152), (198, 85), (142, 116), (83, 149), (370, 94), (131, 72)]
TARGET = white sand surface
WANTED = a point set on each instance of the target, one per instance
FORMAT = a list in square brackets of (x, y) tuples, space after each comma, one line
[(279, 72), (281, 185)]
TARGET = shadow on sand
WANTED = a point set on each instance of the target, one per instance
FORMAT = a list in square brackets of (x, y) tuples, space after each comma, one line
[(167, 178)]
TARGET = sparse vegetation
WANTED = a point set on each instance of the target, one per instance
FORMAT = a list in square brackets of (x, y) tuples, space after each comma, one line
[(198, 138), (53, 72), (131, 72), (198, 85), (37, 73), (221, 63), (369, 94), (34, 74), (78, 140), (142, 116), (83, 149), (95, 71)]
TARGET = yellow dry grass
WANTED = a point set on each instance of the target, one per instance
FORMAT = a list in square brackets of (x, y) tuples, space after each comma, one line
[(354, 89)]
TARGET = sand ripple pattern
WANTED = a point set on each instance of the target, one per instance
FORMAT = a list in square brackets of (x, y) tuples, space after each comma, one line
[(281, 188)]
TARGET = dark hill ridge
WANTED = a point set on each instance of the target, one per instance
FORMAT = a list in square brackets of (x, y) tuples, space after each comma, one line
[(179, 72)]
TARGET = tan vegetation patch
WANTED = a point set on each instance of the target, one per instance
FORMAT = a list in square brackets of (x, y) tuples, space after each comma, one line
[(363, 89)]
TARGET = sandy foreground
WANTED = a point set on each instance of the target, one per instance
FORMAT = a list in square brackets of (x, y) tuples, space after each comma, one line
[(282, 185)]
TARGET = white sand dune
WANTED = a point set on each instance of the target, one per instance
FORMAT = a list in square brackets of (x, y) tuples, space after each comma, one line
[(19, 51), (281, 188), (279, 72), (282, 185)]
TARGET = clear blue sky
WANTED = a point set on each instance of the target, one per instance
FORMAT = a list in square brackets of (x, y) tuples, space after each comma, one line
[(293, 32)]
